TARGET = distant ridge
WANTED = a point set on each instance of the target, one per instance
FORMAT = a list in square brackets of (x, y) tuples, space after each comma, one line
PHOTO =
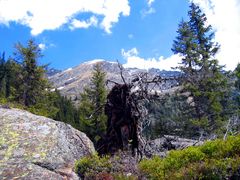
[(72, 81)]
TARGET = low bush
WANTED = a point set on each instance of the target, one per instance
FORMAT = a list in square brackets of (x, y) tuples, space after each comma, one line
[(91, 165), (95, 167), (217, 159)]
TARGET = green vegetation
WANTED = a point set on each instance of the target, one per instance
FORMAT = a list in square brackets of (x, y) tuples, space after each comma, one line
[(237, 86), (207, 104), (169, 116), (92, 117), (217, 159), (23, 85), (106, 167), (67, 112), (205, 86), (31, 82), (92, 165)]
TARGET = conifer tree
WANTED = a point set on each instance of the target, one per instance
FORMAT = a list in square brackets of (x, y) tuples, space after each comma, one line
[(184, 45), (9, 71), (237, 74), (67, 112), (237, 86), (91, 109), (33, 84), (203, 76), (2, 74), (12, 70), (23, 81)]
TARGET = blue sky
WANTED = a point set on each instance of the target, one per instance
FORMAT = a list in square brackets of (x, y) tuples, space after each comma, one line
[(137, 33)]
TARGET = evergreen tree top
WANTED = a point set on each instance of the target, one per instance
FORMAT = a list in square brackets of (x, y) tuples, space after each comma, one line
[(195, 42), (29, 53)]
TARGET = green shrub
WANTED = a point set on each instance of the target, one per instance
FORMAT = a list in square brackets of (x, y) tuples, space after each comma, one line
[(3, 100), (210, 169), (92, 165), (213, 160)]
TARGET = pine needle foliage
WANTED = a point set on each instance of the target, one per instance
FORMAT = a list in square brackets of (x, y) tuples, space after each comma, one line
[(92, 118), (203, 77)]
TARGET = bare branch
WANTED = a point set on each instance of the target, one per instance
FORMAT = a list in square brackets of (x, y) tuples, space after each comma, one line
[(121, 72), (227, 129), (110, 81)]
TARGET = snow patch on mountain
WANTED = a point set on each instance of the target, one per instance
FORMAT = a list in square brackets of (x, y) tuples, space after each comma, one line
[(94, 61), (69, 69), (60, 88)]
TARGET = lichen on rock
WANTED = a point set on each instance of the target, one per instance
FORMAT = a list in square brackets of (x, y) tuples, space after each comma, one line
[(36, 147)]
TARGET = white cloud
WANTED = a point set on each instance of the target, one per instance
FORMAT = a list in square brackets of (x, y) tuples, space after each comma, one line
[(149, 2), (93, 21), (149, 10), (45, 44), (133, 60), (42, 46), (224, 16), (129, 53), (42, 15)]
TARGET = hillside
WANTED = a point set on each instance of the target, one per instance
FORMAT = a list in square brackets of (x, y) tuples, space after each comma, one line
[(72, 81)]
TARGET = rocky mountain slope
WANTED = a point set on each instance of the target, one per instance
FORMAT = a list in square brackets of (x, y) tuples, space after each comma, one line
[(52, 71), (72, 81), (35, 147)]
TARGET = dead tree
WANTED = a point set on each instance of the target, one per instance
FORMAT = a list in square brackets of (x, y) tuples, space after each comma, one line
[(126, 113)]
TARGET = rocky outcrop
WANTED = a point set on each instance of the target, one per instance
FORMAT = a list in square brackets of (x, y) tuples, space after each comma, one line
[(35, 147), (163, 145)]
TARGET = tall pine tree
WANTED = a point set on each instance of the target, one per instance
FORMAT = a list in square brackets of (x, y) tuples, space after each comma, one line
[(9, 71), (237, 74), (203, 77), (91, 109), (237, 86), (2, 74), (33, 83)]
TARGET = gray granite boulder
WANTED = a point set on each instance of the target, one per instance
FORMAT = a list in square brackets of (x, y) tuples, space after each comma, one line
[(161, 146), (36, 147)]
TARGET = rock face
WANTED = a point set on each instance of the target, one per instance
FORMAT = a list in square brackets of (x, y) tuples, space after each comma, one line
[(35, 147), (161, 146)]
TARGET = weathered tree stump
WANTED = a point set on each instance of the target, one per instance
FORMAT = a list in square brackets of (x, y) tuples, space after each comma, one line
[(122, 121), (126, 114)]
